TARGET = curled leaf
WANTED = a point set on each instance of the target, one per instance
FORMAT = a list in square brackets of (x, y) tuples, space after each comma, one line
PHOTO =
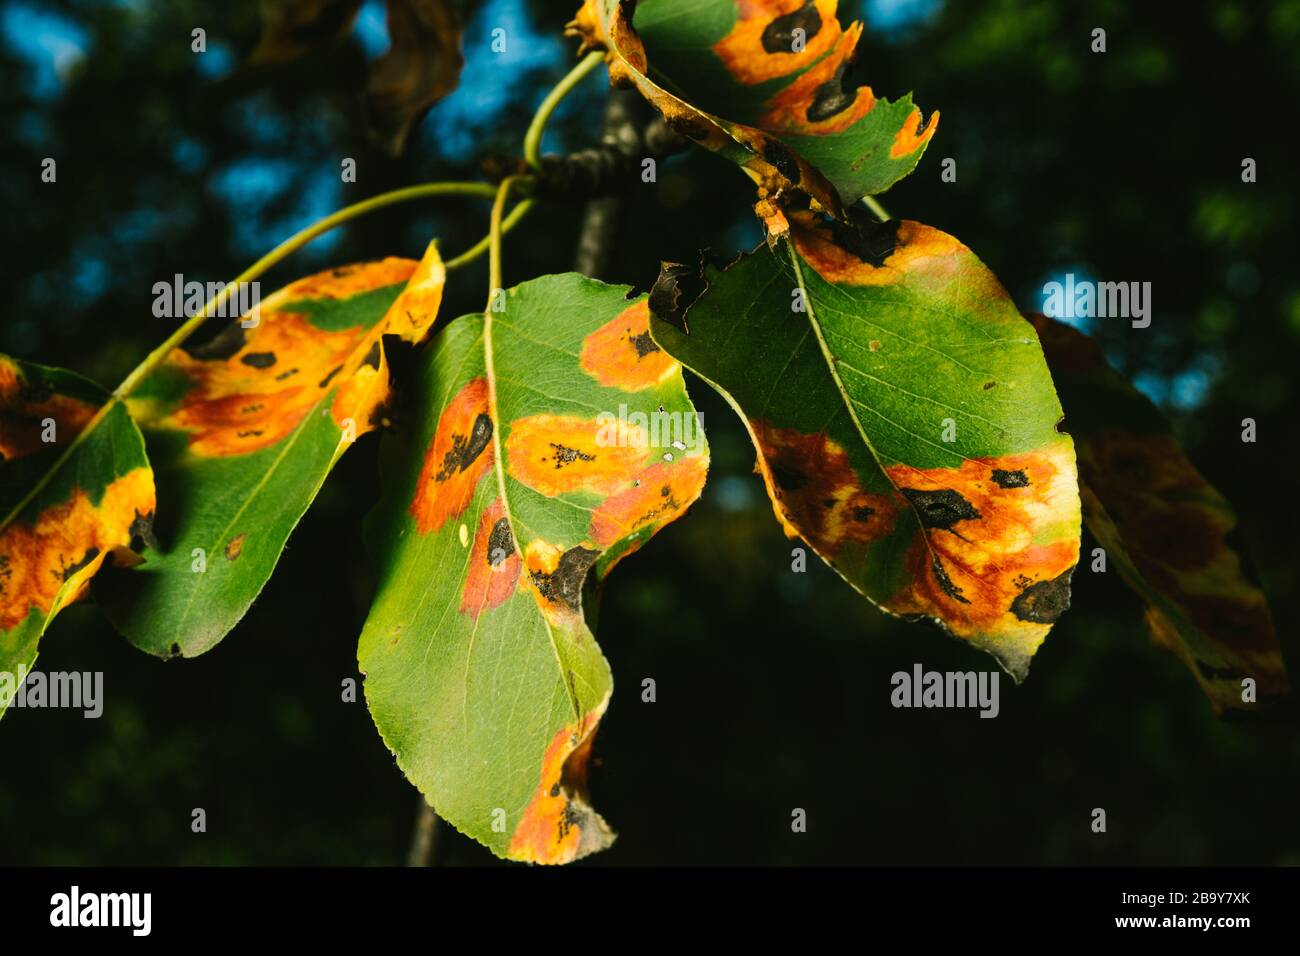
[(243, 430), (422, 66), (545, 441), (904, 419), (66, 505), (1165, 528), (774, 84)]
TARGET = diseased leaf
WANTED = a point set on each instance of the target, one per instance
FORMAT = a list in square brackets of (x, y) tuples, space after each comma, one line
[(60, 517), (513, 479), (905, 422), (421, 66), (292, 28), (243, 430), (1165, 528), (776, 78)]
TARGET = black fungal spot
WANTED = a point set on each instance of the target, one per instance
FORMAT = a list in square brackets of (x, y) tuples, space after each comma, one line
[(831, 97), (988, 385), (564, 455), (1044, 601), (643, 344), (778, 36), (287, 373), (828, 502), (501, 543), (330, 377), (372, 357), (863, 513), (555, 790), (1010, 479), (940, 509), (249, 433), (220, 347), (141, 532), (945, 583), (787, 478), (465, 450), (572, 818), (259, 359), (870, 240), (692, 127), (176, 650), (783, 158), (564, 584), (90, 555)]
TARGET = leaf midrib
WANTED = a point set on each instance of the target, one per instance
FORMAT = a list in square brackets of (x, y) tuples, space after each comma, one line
[(498, 465), (849, 404)]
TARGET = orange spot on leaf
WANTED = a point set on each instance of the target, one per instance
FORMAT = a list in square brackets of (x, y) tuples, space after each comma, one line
[(656, 496), (815, 491), (558, 825), (621, 354), (67, 544), (493, 563), (751, 59), (554, 454), (458, 456), (911, 138)]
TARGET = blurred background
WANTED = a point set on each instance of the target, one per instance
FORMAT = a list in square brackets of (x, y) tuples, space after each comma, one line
[(773, 686)]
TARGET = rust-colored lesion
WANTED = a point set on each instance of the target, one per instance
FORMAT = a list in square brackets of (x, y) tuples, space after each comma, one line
[(24, 407), (620, 354), (494, 563), (842, 256), (775, 224), (999, 541), (47, 564), (772, 165), (555, 454), (815, 103), (1173, 525), (815, 491), (458, 456), (652, 498), (913, 135), (252, 395), (234, 408), (761, 44), (558, 824)]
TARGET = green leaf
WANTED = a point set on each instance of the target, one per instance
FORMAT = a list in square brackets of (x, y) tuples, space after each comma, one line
[(75, 488), (543, 440), (243, 430), (769, 83), (1165, 529), (904, 418)]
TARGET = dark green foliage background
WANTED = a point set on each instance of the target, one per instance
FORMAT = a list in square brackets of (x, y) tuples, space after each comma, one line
[(773, 686)]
